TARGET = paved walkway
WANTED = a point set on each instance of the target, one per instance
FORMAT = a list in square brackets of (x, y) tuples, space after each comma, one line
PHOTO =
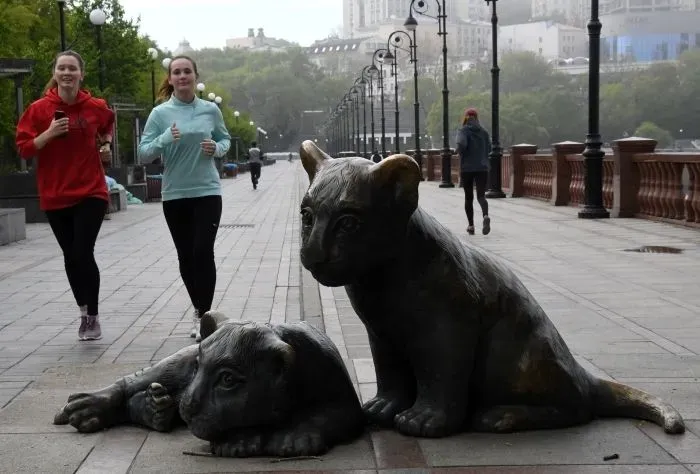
[(630, 316)]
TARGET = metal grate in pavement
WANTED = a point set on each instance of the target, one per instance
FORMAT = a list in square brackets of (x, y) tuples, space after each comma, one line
[(655, 249), (235, 226)]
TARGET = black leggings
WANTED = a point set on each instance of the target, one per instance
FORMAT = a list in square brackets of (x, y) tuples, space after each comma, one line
[(255, 172), (76, 229), (193, 223), (469, 179)]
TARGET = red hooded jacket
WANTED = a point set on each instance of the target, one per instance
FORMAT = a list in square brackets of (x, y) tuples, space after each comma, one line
[(68, 168)]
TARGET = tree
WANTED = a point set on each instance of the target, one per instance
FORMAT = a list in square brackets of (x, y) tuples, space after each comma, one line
[(30, 29), (651, 130), (618, 112)]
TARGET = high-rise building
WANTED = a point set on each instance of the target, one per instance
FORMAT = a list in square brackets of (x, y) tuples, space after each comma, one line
[(361, 15)]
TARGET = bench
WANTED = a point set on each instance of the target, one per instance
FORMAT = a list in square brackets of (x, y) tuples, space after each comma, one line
[(117, 200), (12, 225)]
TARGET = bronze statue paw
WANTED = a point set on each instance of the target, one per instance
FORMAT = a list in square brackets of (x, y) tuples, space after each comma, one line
[(296, 443), (238, 447), (425, 422), (160, 407), (383, 408), (89, 412)]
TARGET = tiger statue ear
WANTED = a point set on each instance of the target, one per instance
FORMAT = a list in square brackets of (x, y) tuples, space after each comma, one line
[(401, 175), (312, 158)]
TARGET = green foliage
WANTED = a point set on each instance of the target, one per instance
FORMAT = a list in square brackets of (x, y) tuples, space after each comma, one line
[(30, 29), (651, 130), (541, 106)]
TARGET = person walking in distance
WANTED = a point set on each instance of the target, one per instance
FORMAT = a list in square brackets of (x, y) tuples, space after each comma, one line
[(254, 163), (473, 147), (66, 131), (189, 133)]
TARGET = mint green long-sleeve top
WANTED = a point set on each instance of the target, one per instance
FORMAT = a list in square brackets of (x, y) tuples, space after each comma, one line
[(188, 171)]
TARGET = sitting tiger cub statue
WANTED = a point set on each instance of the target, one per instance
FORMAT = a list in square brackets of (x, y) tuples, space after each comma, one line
[(457, 340), (249, 389)]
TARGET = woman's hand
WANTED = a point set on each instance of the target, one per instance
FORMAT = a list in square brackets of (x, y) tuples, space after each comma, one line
[(175, 131), (106, 153), (58, 127), (208, 147)]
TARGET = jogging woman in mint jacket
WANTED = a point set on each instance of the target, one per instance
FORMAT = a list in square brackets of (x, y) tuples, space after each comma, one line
[(189, 133)]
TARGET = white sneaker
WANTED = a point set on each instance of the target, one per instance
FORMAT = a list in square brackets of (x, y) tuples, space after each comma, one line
[(195, 326)]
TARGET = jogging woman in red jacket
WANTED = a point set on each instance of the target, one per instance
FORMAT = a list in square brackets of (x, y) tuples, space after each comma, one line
[(65, 132)]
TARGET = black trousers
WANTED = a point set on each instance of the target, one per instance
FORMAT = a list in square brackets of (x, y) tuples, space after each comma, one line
[(76, 229), (469, 179), (193, 224), (255, 172)]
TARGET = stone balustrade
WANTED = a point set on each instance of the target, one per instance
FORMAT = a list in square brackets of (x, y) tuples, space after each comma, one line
[(637, 181)]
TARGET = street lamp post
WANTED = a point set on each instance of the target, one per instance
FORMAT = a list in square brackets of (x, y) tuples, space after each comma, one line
[(98, 18), (496, 155), (398, 41), (355, 91), (200, 88), (362, 83), (395, 74), (367, 74), (378, 57), (153, 54), (420, 7), (237, 115), (353, 109), (62, 22), (593, 155)]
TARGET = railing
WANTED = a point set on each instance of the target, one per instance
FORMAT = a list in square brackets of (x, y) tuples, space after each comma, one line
[(637, 182)]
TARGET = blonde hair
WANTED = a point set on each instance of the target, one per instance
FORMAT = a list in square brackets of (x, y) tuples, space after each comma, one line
[(52, 84), (166, 89)]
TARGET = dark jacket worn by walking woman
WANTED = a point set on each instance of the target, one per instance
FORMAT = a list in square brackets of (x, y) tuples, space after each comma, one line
[(473, 146)]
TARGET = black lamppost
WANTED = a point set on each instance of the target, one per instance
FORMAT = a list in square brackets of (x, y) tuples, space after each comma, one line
[(394, 73), (62, 22), (420, 7), (593, 155), (367, 73), (237, 115), (496, 154), (360, 81), (350, 98), (98, 18), (348, 118), (355, 92), (153, 54), (378, 57), (397, 42)]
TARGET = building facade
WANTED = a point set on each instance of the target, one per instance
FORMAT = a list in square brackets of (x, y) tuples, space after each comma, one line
[(552, 41), (257, 42), (650, 35)]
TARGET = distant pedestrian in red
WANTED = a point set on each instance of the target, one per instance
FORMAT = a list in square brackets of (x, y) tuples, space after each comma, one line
[(66, 132)]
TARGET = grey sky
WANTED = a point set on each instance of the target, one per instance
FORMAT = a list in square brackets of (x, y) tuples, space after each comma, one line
[(208, 23)]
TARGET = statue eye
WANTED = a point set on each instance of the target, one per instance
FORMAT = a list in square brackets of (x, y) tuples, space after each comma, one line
[(229, 380), (307, 218), (348, 224)]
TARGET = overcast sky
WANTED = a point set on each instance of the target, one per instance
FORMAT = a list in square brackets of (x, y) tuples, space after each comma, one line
[(208, 23)]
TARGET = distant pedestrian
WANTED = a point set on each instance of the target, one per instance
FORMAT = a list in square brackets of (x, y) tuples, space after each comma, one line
[(254, 163), (473, 147), (67, 132), (189, 133)]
